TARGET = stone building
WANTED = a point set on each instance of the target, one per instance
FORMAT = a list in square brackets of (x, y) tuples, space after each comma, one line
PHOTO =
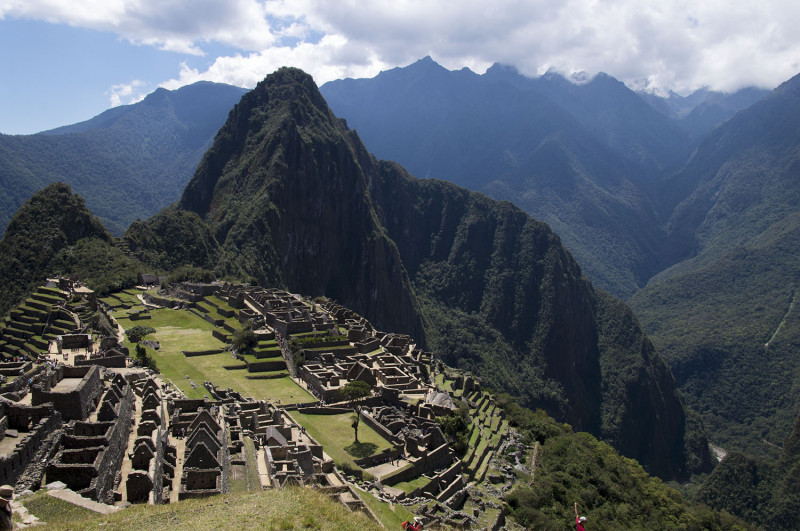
[(91, 452)]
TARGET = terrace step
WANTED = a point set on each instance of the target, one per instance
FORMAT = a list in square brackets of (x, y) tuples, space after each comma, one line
[(41, 306), (33, 312)]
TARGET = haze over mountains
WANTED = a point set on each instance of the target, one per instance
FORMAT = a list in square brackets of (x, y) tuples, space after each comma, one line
[(582, 157)]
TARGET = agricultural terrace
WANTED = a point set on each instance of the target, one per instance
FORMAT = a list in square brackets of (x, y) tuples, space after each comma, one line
[(181, 330)]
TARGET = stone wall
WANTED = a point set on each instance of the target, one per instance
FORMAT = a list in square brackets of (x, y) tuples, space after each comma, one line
[(75, 404), (111, 362), (191, 353), (91, 470), (40, 423), (384, 432)]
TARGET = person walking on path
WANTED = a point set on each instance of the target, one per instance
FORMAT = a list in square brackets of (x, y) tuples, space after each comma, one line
[(579, 520)]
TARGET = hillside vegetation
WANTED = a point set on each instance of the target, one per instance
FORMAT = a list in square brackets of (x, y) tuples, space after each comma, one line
[(128, 162), (276, 509), (54, 233), (725, 318)]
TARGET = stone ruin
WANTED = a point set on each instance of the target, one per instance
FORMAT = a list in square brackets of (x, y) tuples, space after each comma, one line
[(154, 459), (28, 437), (114, 437), (206, 457), (92, 451)]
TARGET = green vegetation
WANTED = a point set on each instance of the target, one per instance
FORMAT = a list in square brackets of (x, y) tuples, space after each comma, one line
[(136, 333), (244, 339), (50, 509), (712, 322), (178, 331), (99, 265), (127, 162), (334, 433), (612, 491), (276, 509), (390, 516), (355, 390), (456, 428), (762, 492), (50, 222)]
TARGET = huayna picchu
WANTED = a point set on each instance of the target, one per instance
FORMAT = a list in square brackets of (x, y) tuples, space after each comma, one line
[(244, 387)]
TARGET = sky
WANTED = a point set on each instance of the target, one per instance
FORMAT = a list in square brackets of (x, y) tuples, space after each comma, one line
[(63, 62)]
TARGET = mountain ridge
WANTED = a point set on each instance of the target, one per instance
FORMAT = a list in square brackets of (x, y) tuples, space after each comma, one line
[(439, 256), (143, 153)]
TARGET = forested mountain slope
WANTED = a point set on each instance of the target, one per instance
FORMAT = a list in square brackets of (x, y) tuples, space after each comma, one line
[(54, 233), (572, 156), (725, 316), (128, 162)]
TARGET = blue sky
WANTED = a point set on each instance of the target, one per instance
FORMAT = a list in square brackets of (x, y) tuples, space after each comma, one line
[(64, 62)]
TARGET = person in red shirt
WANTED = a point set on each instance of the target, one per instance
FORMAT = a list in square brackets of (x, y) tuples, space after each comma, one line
[(579, 520), (416, 525)]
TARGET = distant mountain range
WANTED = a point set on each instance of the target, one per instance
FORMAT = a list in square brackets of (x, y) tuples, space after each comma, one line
[(128, 162), (585, 157)]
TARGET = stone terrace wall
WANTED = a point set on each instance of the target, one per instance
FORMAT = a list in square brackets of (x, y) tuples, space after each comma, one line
[(43, 421), (115, 362)]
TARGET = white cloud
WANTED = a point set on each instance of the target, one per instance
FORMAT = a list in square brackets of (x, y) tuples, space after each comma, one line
[(330, 58), (671, 44), (175, 25), (126, 93)]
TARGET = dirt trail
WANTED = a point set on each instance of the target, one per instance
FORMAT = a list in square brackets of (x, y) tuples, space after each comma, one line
[(783, 320)]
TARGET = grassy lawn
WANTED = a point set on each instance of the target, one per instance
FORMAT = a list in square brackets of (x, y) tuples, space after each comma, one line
[(274, 509), (220, 303), (178, 330), (408, 486), (334, 433), (49, 509), (253, 480), (390, 517)]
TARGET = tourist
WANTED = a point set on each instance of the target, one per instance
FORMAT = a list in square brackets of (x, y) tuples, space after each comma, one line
[(6, 495), (415, 525), (579, 520)]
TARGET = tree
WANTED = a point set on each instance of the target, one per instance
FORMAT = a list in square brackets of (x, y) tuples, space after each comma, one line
[(137, 333), (355, 390), (245, 338)]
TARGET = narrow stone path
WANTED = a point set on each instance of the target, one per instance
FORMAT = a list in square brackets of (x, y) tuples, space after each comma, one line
[(74, 498), (127, 465), (180, 447), (263, 468)]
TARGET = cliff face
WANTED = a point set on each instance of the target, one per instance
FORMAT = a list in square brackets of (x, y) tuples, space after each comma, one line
[(293, 198), (578, 353), (286, 197)]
